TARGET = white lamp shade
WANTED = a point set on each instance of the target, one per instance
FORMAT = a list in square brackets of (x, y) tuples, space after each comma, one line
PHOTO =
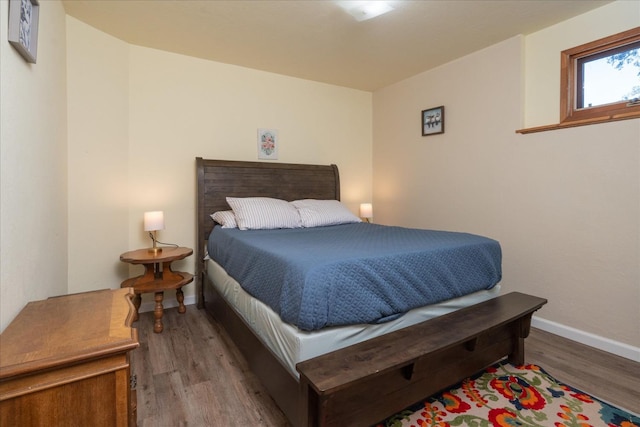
[(366, 210), (153, 221)]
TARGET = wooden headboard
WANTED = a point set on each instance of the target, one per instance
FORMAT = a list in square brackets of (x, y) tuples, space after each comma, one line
[(219, 179)]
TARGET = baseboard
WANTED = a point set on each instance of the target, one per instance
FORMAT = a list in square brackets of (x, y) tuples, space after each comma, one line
[(605, 344), (167, 303)]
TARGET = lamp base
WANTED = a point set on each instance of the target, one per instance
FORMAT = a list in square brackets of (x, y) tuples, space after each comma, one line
[(154, 251)]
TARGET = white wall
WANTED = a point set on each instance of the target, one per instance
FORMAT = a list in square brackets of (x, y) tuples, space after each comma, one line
[(172, 108), (33, 180), (565, 205), (98, 112)]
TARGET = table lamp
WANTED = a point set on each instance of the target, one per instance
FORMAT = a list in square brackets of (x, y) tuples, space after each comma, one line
[(154, 221), (366, 211)]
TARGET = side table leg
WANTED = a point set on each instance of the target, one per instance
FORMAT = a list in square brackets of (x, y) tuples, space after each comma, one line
[(137, 300), (157, 313), (180, 297)]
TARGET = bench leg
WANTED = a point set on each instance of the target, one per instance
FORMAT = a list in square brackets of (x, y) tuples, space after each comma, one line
[(523, 327), (517, 357), (306, 392)]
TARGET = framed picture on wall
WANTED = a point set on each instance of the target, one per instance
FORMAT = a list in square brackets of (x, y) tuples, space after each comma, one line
[(432, 121), (268, 144), (23, 27)]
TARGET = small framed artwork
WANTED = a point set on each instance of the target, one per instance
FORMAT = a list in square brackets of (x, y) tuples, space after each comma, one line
[(268, 144), (23, 27), (432, 121)]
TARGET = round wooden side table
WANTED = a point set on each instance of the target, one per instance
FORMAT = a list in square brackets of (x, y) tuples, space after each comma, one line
[(158, 277)]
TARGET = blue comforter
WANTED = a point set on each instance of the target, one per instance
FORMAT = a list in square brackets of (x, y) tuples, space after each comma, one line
[(354, 273)]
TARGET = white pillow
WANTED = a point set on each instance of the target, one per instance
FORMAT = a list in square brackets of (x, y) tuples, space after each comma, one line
[(225, 218), (318, 213), (255, 213)]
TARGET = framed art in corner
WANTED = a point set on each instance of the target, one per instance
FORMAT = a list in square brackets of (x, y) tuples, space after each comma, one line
[(432, 121), (23, 27), (268, 144)]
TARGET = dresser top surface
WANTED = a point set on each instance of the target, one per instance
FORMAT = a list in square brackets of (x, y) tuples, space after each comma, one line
[(68, 329)]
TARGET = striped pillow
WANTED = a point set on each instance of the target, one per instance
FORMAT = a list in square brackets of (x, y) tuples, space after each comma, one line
[(318, 213), (225, 218), (257, 213)]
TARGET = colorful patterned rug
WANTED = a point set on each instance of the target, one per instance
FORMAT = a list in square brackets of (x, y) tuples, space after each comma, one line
[(507, 396)]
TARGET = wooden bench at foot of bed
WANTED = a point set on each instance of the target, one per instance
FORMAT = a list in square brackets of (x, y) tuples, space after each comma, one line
[(364, 383)]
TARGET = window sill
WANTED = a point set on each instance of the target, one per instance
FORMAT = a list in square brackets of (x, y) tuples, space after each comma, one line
[(585, 122)]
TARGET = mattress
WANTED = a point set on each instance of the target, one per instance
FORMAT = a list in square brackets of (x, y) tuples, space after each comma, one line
[(292, 345), (346, 274)]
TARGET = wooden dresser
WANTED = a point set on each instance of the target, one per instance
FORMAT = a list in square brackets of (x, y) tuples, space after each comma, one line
[(64, 361)]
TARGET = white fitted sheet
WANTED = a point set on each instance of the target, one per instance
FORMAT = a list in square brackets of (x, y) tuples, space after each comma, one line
[(292, 345)]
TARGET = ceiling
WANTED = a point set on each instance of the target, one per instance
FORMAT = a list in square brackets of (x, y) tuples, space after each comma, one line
[(318, 40)]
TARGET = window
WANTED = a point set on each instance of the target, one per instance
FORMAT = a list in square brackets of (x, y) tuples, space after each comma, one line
[(600, 81)]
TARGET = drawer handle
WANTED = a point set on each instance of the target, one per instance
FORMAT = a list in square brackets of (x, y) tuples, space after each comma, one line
[(407, 371), (471, 344)]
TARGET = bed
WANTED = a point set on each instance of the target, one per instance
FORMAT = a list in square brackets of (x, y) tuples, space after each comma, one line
[(290, 360)]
